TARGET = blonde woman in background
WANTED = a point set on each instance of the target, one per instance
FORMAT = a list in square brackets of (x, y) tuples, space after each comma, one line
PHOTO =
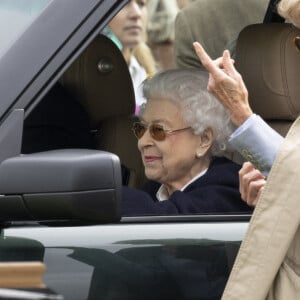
[(129, 26)]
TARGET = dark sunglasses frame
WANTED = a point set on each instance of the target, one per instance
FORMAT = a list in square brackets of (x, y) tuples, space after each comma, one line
[(296, 42), (157, 132)]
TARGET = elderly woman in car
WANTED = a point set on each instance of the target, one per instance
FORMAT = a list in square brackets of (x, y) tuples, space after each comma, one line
[(182, 136)]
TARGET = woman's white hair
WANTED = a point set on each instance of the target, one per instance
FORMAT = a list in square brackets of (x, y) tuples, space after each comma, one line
[(290, 10), (200, 109)]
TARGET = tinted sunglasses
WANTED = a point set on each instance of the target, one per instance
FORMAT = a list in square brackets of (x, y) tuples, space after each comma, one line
[(296, 42), (156, 131)]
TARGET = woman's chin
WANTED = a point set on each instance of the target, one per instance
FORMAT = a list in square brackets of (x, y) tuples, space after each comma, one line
[(131, 42), (152, 175)]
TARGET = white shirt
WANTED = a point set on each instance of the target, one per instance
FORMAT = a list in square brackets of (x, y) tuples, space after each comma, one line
[(162, 193), (138, 75)]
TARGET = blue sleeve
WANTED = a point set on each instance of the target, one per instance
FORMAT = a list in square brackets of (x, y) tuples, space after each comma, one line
[(257, 142)]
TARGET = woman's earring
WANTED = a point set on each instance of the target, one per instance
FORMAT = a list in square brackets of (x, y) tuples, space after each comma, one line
[(198, 154)]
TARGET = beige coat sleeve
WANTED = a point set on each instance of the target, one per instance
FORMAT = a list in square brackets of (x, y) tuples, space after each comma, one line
[(268, 262)]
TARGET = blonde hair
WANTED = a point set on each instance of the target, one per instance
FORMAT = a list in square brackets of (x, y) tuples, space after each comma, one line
[(144, 56), (290, 10)]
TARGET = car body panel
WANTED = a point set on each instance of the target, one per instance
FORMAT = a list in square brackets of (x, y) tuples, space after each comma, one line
[(127, 259)]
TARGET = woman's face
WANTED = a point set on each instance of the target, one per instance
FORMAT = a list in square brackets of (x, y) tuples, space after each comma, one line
[(129, 24), (173, 161)]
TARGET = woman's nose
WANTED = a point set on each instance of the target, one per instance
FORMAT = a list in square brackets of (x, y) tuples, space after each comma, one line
[(145, 140), (135, 10)]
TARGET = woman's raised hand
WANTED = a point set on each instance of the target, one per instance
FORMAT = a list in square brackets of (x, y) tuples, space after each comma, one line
[(226, 84)]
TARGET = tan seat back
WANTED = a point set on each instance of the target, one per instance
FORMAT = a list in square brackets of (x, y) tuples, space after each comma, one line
[(270, 66), (99, 79)]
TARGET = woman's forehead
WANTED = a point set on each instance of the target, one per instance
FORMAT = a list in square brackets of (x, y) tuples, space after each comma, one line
[(162, 109), (161, 105)]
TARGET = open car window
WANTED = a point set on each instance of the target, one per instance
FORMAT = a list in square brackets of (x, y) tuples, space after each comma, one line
[(88, 106), (85, 110)]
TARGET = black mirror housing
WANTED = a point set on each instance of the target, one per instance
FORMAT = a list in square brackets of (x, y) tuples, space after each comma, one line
[(70, 184)]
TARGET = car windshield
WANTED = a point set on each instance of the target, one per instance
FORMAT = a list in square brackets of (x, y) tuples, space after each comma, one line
[(15, 17)]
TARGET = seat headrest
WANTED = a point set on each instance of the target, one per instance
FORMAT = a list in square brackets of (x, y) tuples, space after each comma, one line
[(100, 80), (270, 66)]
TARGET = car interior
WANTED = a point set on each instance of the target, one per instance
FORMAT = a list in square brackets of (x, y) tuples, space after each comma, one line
[(270, 68), (269, 63), (100, 92), (110, 104), (99, 79), (92, 106)]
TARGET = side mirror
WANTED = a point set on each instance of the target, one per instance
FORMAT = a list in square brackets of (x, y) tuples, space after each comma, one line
[(71, 184)]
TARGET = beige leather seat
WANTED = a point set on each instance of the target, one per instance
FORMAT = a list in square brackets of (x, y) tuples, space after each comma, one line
[(99, 79), (270, 66)]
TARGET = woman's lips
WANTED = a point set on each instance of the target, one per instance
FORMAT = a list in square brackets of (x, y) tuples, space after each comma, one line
[(149, 159), (133, 28)]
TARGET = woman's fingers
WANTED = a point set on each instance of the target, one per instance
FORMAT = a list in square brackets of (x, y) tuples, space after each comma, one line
[(251, 182), (246, 169), (206, 61), (228, 64), (219, 62), (254, 191), (226, 84)]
